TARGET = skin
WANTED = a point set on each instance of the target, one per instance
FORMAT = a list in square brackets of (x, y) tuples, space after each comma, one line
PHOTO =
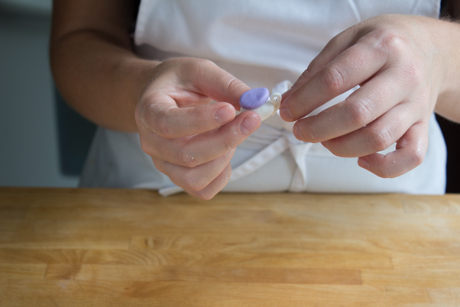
[(406, 66), (403, 72), (167, 103)]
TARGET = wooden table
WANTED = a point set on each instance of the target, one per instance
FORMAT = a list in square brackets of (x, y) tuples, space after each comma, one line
[(102, 247)]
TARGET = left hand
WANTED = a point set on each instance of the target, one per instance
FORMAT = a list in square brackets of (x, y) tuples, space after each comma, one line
[(400, 64)]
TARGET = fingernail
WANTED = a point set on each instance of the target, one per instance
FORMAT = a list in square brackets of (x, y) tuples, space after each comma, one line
[(297, 133), (223, 115), (249, 124), (286, 114)]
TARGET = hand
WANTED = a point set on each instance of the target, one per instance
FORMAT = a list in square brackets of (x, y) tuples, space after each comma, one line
[(190, 139), (398, 63)]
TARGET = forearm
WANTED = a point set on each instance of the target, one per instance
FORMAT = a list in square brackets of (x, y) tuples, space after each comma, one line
[(92, 60), (100, 78)]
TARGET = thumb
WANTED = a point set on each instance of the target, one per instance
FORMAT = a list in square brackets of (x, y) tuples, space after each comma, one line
[(217, 84)]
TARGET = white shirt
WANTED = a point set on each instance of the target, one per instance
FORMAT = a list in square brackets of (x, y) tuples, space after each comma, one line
[(262, 43)]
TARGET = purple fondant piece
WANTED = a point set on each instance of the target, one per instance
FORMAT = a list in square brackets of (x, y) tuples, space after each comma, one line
[(254, 98)]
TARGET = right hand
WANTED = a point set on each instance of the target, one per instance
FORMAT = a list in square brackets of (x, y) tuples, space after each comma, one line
[(190, 139)]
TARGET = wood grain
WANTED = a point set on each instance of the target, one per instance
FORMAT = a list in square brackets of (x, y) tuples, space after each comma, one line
[(106, 247)]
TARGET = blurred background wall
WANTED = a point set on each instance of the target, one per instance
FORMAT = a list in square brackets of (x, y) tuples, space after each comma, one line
[(29, 152)]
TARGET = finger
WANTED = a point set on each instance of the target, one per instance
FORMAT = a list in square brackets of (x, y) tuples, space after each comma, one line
[(201, 148), (337, 45), (215, 186), (195, 178), (332, 49), (352, 67), (214, 82), (369, 102), (377, 136), (410, 152), (299, 83), (172, 122)]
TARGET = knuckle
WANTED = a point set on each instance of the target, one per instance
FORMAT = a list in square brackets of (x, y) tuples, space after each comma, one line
[(390, 42), (148, 147), (226, 174), (396, 45), (337, 149), (162, 127), (334, 78), (191, 182), (417, 157), (186, 159), (384, 172), (360, 113), (335, 42), (230, 139), (381, 170), (233, 84), (152, 118), (380, 139), (205, 63), (204, 195), (329, 145), (412, 73), (144, 113), (202, 65), (231, 142), (313, 67), (307, 73), (160, 165)]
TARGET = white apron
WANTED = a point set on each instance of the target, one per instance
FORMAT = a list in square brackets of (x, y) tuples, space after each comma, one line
[(262, 43)]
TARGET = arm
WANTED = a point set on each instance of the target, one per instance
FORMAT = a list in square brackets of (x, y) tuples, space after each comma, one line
[(168, 103), (93, 63)]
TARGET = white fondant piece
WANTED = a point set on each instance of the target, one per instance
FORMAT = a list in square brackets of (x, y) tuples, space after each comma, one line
[(269, 108)]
